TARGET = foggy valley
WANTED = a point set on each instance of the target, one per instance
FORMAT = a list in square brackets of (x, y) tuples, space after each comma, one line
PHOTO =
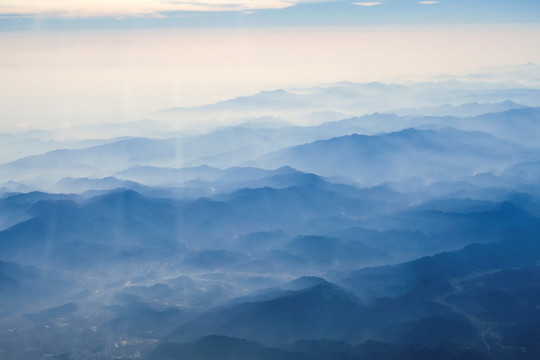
[(346, 221)]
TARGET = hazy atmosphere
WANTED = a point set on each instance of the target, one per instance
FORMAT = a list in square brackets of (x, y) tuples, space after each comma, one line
[(270, 180)]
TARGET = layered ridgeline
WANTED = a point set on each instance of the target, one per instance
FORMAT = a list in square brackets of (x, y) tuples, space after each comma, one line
[(406, 234)]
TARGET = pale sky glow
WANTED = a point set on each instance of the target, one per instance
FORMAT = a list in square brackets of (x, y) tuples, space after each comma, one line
[(80, 61), (84, 8), (56, 78)]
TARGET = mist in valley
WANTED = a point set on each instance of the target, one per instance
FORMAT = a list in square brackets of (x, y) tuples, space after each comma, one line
[(343, 221)]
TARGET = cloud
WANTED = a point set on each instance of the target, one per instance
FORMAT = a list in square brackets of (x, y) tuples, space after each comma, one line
[(121, 8), (368, 3), (428, 2)]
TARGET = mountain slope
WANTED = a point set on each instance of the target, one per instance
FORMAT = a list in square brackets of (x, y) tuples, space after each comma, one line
[(321, 311), (387, 157)]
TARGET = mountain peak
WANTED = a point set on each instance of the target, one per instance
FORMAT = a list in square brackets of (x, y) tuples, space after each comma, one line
[(304, 282)]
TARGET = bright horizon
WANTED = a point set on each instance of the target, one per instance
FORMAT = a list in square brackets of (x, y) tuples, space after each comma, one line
[(73, 62), (54, 78)]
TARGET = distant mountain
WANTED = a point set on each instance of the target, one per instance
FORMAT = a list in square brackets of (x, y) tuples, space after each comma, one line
[(81, 185), (259, 240), (333, 252), (96, 161), (213, 259), (214, 347), (451, 307), (304, 282), (518, 248), (432, 330), (391, 246), (191, 176), (462, 206), (234, 145), (344, 236), (89, 231), (523, 336), (15, 207), (463, 110), (272, 98), (283, 289), (282, 104), (386, 157), (143, 320), (508, 296), (22, 287), (9, 272), (518, 125), (529, 171), (38, 142), (296, 105), (223, 148), (322, 311), (47, 315), (85, 234)]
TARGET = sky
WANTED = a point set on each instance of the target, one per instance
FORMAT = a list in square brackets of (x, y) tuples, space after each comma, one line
[(136, 14), (84, 14), (66, 62)]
